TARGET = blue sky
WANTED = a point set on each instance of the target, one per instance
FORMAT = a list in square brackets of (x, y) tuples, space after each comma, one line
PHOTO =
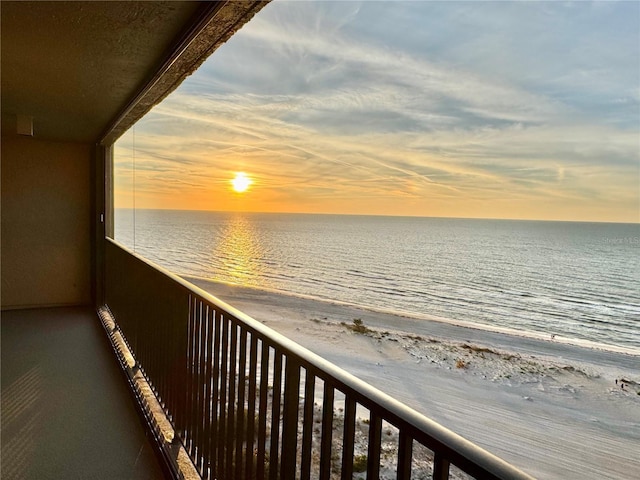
[(465, 109)]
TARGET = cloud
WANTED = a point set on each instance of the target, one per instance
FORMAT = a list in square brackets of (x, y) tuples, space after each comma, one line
[(405, 104)]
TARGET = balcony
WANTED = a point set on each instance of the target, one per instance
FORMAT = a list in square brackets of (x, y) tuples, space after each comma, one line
[(215, 390), (237, 399)]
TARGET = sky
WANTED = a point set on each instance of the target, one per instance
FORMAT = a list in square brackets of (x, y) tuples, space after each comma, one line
[(523, 110)]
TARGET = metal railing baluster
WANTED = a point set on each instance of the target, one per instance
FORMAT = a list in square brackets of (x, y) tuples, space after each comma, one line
[(208, 392), (215, 393), (375, 439), (440, 467), (192, 374), (222, 418), (307, 425), (274, 462), (348, 438), (262, 410), (251, 406), (240, 415), (231, 402), (290, 420), (405, 455), (327, 431), (199, 421)]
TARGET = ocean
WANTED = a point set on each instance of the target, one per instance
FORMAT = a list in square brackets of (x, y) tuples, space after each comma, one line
[(577, 281)]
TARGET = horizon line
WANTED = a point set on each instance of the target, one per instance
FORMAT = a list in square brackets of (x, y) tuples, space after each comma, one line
[(382, 215)]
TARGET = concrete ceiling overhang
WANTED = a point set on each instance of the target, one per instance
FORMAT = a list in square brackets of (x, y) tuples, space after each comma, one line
[(86, 71)]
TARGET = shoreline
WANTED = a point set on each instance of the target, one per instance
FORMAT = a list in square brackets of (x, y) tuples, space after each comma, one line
[(553, 409), (214, 286)]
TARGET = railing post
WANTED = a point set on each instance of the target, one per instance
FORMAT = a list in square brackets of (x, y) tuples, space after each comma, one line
[(262, 411), (405, 454), (208, 394), (180, 366), (232, 408), (200, 381), (275, 415), (215, 393), (189, 374), (327, 431), (240, 435), (348, 437), (375, 440), (251, 406), (222, 404), (290, 419), (440, 467), (307, 428)]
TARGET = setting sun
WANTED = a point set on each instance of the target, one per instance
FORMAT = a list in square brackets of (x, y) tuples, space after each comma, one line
[(241, 182)]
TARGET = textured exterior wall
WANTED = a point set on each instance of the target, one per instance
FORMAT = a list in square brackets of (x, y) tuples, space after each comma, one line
[(46, 204)]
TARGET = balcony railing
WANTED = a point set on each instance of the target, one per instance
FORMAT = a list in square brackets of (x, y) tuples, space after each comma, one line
[(247, 402)]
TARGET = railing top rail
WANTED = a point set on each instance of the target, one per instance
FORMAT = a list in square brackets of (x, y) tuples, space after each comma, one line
[(462, 452)]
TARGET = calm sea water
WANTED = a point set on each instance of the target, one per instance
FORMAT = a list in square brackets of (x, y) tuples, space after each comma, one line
[(576, 280)]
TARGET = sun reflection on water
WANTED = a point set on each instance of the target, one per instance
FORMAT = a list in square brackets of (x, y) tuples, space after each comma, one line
[(239, 254)]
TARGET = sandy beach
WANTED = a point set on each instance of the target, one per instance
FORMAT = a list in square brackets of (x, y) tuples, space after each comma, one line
[(552, 409)]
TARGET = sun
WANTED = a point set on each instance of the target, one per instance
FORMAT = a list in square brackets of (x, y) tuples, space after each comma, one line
[(241, 182)]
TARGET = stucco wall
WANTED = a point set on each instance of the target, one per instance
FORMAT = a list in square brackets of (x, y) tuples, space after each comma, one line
[(45, 214)]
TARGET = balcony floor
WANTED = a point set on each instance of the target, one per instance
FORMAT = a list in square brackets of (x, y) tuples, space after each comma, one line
[(66, 409)]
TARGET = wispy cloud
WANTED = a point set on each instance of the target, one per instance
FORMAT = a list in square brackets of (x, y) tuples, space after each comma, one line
[(525, 109)]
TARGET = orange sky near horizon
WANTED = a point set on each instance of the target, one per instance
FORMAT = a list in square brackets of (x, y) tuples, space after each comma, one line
[(261, 198)]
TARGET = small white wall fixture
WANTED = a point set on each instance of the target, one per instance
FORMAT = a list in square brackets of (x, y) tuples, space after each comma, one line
[(24, 125)]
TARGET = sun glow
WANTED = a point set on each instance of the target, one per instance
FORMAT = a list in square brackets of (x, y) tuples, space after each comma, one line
[(241, 182)]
